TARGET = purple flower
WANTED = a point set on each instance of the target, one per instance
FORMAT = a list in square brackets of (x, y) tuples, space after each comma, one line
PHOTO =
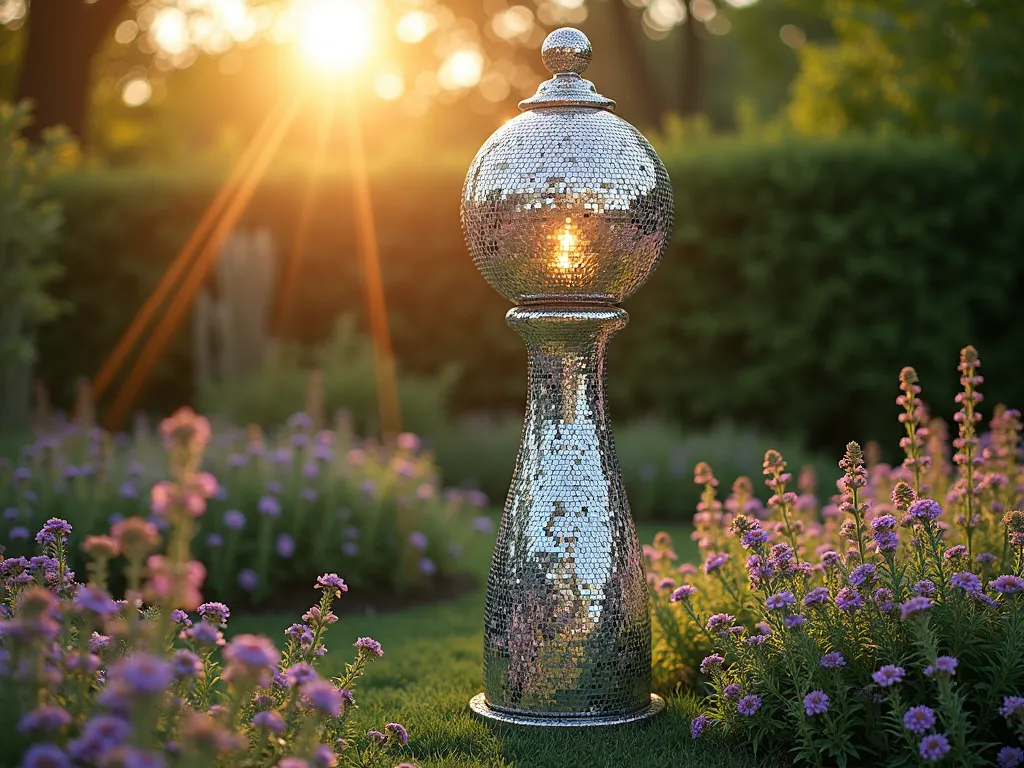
[(350, 549), (698, 724), (1007, 584), (925, 587), (817, 596), (46, 718), (863, 573), (323, 696), (848, 599), (720, 622), (205, 633), (684, 592), (966, 581), (331, 582), (985, 558), (418, 540), (955, 553), (715, 561), (1011, 706), (816, 703), (300, 673), (216, 613), (888, 675), (53, 529), (711, 663), (748, 705), (754, 536), (924, 509), (248, 579), (234, 520), (253, 652), (270, 506), (285, 545), (186, 664), (427, 566), (45, 756), (945, 664), (369, 645), (883, 523), (933, 747), (914, 605), (397, 732), (919, 719), (732, 690), (308, 494), (98, 735), (96, 600), (323, 757), (755, 640), (886, 541), (1010, 757), (140, 675), (780, 600), (270, 721), (214, 540), (794, 621), (19, 533), (833, 660), (375, 736), (98, 641)]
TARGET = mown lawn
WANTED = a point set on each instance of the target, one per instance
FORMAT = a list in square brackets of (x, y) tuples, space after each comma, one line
[(432, 666)]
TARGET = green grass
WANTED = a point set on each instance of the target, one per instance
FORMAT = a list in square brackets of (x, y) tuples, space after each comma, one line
[(432, 666)]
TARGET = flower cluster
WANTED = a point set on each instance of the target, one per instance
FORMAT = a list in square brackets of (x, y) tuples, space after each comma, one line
[(150, 680), (268, 511), (882, 624)]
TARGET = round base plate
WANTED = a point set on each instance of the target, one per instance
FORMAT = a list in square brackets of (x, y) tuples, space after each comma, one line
[(482, 709)]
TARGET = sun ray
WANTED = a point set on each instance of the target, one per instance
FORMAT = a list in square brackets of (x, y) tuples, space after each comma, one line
[(181, 262), (299, 244), (195, 278), (376, 304)]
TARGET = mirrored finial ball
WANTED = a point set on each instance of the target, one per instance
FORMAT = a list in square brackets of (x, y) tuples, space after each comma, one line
[(566, 50)]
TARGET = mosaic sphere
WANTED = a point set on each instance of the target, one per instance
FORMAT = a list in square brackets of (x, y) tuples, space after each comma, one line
[(567, 201)]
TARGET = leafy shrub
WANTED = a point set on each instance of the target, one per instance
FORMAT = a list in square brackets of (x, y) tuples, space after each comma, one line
[(289, 504), (878, 627), (800, 275), (29, 225), (137, 682), (270, 396), (657, 459)]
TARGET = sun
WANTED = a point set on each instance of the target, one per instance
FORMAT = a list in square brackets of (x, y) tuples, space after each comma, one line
[(336, 35)]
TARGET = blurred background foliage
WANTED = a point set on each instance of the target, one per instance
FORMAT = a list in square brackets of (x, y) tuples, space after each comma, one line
[(849, 191)]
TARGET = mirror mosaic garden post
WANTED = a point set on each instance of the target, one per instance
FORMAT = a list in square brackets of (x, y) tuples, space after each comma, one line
[(567, 210)]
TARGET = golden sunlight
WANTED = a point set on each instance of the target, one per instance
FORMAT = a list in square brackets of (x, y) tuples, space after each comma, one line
[(566, 255), (336, 35)]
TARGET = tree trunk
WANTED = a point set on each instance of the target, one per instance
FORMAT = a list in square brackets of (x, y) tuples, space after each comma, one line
[(63, 38), (689, 93), (643, 74)]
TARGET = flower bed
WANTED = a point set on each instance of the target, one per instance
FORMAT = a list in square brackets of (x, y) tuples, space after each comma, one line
[(881, 626), (88, 680), (284, 507)]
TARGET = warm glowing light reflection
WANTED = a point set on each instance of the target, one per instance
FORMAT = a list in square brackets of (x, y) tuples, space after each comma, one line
[(336, 35), (462, 69), (414, 26), (567, 251), (389, 85), (137, 92)]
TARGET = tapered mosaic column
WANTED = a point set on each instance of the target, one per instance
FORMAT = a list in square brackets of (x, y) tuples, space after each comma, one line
[(567, 210)]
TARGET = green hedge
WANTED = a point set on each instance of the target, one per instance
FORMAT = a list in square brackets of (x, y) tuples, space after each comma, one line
[(801, 278)]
